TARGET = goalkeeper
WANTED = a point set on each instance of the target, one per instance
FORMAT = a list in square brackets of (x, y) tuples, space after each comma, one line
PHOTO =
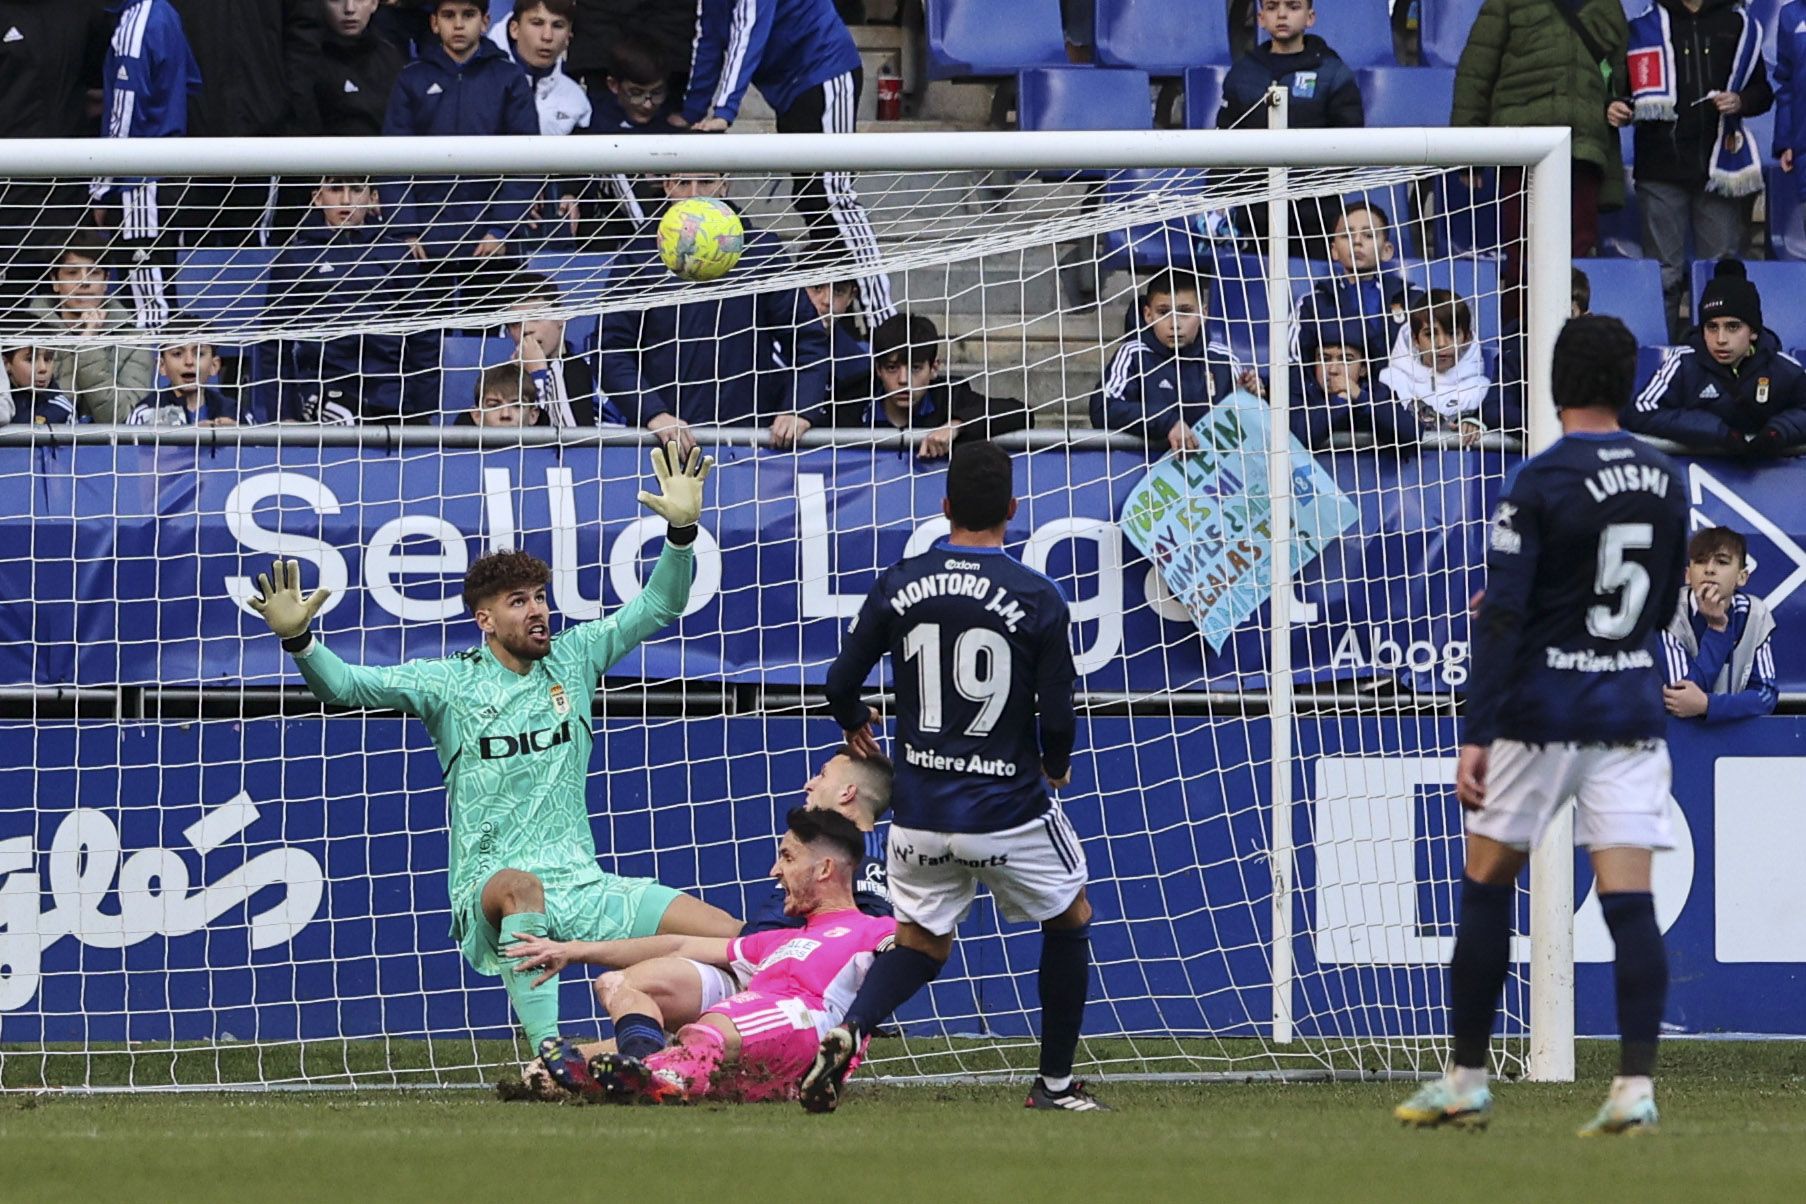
[(511, 722)]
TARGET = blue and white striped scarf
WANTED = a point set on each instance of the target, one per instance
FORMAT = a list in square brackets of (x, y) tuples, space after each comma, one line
[(1735, 169)]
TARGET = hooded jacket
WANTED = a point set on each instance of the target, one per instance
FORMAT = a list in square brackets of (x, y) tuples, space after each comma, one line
[(1322, 88), (732, 360), (350, 84), (1705, 43), (347, 274), (782, 47), (105, 379), (1756, 406), (50, 55), (487, 93), (255, 58)]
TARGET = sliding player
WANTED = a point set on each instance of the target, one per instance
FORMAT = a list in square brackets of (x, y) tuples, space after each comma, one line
[(511, 722), (1588, 550), (755, 1043), (984, 674)]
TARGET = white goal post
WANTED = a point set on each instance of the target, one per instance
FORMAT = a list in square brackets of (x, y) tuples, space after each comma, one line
[(975, 228)]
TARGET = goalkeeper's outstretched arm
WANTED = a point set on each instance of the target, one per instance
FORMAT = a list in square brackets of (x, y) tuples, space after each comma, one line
[(411, 687), (679, 502), (549, 957)]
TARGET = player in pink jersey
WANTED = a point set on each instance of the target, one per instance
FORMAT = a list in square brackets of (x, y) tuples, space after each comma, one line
[(753, 1045)]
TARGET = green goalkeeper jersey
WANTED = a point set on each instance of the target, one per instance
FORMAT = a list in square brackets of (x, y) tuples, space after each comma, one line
[(514, 747)]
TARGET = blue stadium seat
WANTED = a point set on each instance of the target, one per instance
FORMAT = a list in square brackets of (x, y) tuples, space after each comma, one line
[(1630, 289), (1621, 231), (1152, 245), (461, 367), (1786, 216), (223, 288), (1780, 283), (1162, 37), (1203, 97), (581, 277), (1407, 96), (1466, 216), (1239, 315), (993, 37), (1360, 31), (1474, 280), (1083, 98), (1444, 28)]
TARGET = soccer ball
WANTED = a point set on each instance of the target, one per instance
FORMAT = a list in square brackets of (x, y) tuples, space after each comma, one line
[(700, 238)]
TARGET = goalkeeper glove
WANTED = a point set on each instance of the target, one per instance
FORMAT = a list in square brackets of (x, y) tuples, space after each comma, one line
[(280, 603), (679, 499)]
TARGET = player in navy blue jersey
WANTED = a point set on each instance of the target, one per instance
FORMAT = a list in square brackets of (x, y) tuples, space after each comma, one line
[(983, 668), (1587, 553)]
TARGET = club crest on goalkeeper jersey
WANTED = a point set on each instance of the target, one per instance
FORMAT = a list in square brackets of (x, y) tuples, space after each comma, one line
[(983, 671), (514, 748)]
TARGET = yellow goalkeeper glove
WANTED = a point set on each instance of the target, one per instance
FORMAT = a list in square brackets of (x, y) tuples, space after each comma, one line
[(280, 603), (679, 499)]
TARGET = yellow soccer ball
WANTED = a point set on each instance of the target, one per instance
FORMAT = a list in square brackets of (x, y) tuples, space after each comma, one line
[(700, 238)]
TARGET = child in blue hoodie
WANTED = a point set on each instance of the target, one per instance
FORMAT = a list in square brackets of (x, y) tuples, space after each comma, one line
[(1163, 378), (1721, 665), (464, 86), (346, 265)]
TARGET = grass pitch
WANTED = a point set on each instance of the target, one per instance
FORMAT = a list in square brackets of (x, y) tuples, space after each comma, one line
[(1734, 1129)]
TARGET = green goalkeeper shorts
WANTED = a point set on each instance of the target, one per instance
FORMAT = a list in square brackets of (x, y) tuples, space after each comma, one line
[(614, 909)]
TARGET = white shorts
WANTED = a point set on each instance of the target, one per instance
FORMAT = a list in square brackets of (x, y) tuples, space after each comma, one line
[(1620, 793), (717, 984), (1034, 871)]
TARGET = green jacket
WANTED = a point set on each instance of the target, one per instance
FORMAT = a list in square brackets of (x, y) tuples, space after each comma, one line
[(1525, 65), (105, 380)]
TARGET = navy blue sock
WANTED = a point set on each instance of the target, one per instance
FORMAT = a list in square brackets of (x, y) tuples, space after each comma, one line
[(1641, 971), (1064, 979), (1477, 971), (896, 975), (638, 1036)]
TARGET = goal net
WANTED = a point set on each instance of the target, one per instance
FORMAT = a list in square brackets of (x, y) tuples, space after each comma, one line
[(207, 880)]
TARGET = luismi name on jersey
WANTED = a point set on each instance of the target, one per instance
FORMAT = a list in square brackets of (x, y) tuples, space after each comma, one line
[(521, 744), (1614, 479), (996, 598)]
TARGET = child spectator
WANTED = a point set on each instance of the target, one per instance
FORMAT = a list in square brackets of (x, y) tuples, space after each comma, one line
[(106, 380), (1696, 172), (1321, 94), (907, 392), (1720, 663), (149, 73), (849, 350), (1333, 394), (804, 63), (463, 86), (564, 381), (189, 399), (635, 99), (28, 390), (346, 266), (1437, 368), (506, 397), (1729, 387), (536, 35), (1363, 289), (732, 361), (357, 68), (1163, 378)]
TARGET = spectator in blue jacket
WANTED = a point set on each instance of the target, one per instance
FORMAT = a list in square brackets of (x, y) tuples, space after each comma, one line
[(187, 396), (907, 392), (1729, 388), (800, 56), (635, 98), (346, 266), (563, 378), (464, 86), (29, 394), (1321, 94), (1363, 290), (1790, 94), (1164, 377), (1335, 393), (149, 74), (733, 361), (1721, 665), (849, 348)]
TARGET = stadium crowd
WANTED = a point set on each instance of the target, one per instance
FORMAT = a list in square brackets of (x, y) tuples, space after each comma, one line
[(1408, 316)]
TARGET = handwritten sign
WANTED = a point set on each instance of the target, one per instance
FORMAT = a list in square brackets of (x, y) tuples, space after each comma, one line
[(153, 891), (1205, 518)]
